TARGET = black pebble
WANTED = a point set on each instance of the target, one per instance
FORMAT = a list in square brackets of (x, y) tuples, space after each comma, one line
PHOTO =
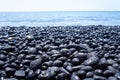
[(20, 74), (35, 64)]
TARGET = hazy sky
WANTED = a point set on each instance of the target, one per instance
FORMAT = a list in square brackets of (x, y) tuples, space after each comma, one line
[(59, 5)]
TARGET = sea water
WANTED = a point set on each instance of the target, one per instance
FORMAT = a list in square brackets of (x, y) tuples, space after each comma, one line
[(59, 18)]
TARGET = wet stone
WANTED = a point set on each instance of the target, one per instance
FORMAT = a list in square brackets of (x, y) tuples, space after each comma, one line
[(2, 57), (20, 74), (2, 63), (109, 73), (10, 71), (32, 50), (74, 77), (92, 61), (35, 64)]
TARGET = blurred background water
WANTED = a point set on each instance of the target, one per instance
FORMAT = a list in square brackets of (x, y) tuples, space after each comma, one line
[(60, 18)]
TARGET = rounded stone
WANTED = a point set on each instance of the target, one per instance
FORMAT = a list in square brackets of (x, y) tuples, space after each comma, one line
[(32, 50), (75, 61), (92, 61), (74, 77), (35, 64), (20, 74)]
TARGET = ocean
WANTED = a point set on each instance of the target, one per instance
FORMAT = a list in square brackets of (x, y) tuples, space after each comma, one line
[(60, 18)]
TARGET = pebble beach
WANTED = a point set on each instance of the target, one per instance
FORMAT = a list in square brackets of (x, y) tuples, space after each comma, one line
[(60, 53)]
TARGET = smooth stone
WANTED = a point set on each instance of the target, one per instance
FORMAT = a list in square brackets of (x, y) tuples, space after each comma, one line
[(48, 64), (109, 73), (62, 58), (63, 70), (103, 63), (30, 37), (64, 51), (75, 61), (84, 46), (14, 65), (112, 78), (81, 73), (21, 56), (117, 75), (30, 57), (89, 74), (92, 61), (26, 62), (57, 63), (20, 74), (69, 68), (2, 63), (38, 71), (88, 79), (2, 57), (3, 74), (10, 79), (35, 64), (98, 72), (47, 75), (99, 77), (60, 76), (9, 48), (31, 75), (76, 46), (86, 68), (10, 71), (32, 50), (74, 77)]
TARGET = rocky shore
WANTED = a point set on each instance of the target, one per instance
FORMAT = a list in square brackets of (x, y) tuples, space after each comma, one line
[(60, 53)]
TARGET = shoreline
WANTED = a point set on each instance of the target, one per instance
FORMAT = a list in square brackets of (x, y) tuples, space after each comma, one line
[(60, 52)]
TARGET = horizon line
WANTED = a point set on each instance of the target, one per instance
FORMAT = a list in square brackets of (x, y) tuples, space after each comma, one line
[(69, 11)]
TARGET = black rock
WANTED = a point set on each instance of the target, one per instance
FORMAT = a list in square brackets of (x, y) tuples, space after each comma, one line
[(9, 48), (99, 77), (109, 73), (2, 63), (60, 76), (10, 79), (64, 51), (2, 57), (20, 74), (112, 78), (10, 71), (57, 63), (88, 79), (47, 75), (103, 64), (30, 37), (74, 77), (32, 50), (92, 61), (30, 57), (35, 64), (21, 56), (63, 70), (75, 61), (81, 73), (117, 75), (89, 74), (86, 68), (38, 71), (31, 75), (98, 72), (77, 47), (3, 74), (69, 68), (26, 62), (84, 46)]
